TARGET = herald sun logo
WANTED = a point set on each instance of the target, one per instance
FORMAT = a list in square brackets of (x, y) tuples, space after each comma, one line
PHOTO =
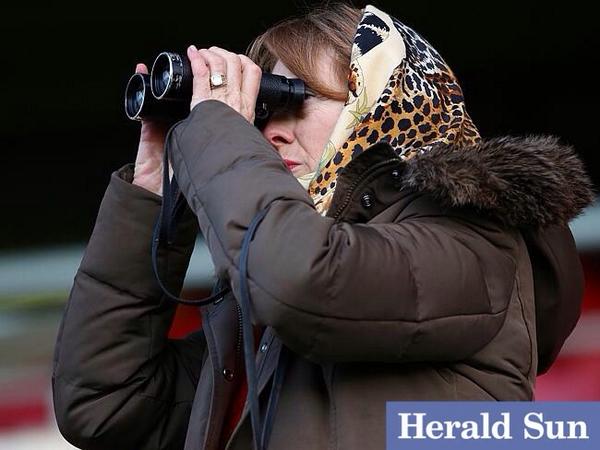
[(534, 426), (492, 425)]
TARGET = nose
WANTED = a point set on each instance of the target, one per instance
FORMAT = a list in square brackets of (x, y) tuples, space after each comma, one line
[(278, 132)]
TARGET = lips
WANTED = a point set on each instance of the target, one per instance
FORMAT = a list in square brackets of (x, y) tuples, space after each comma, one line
[(291, 164)]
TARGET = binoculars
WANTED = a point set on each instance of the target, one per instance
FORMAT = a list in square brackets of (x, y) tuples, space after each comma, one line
[(165, 94)]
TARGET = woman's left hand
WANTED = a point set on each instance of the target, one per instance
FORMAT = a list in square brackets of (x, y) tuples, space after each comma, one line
[(242, 79)]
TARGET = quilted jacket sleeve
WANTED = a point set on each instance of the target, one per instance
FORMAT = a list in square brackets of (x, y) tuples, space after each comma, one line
[(118, 381), (334, 291)]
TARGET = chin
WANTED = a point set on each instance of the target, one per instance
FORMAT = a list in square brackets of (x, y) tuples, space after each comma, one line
[(299, 171)]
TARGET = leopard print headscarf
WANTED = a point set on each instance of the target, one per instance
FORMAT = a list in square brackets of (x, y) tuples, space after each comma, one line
[(400, 90)]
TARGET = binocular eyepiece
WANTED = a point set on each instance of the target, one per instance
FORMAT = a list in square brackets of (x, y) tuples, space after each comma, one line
[(166, 93)]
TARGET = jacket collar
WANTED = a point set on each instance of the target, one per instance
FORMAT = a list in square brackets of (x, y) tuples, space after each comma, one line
[(523, 181)]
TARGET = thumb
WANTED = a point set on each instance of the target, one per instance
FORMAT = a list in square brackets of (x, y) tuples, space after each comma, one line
[(141, 68)]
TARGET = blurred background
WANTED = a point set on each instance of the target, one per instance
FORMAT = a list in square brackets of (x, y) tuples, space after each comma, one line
[(524, 69)]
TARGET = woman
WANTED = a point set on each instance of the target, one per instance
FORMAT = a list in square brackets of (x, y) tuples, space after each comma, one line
[(400, 255)]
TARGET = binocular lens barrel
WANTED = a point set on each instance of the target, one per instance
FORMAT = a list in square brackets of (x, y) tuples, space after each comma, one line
[(135, 94), (287, 93), (140, 104), (171, 77), (165, 94)]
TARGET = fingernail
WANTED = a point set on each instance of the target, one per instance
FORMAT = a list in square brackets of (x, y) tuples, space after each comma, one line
[(192, 47)]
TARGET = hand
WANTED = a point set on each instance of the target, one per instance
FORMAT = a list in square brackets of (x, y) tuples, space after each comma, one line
[(242, 79), (148, 170)]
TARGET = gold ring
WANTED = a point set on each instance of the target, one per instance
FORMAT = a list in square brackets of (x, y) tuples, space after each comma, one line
[(217, 80)]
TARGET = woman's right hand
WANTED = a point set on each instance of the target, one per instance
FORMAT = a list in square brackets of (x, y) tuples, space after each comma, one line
[(148, 172)]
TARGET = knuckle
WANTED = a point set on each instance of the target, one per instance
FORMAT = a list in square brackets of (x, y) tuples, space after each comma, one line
[(198, 62), (256, 70), (214, 58), (250, 66), (199, 68), (233, 59), (205, 53), (220, 50)]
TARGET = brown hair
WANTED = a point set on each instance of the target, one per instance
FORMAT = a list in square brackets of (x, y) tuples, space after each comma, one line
[(299, 41)]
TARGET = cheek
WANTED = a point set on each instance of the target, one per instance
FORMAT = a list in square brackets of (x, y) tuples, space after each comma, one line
[(316, 131)]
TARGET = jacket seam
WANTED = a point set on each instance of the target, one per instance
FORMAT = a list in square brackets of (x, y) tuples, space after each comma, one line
[(114, 287), (148, 318), (64, 380), (413, 278), (325, 316), (320, 324), (58, 345), (231, 166), (522, 307)]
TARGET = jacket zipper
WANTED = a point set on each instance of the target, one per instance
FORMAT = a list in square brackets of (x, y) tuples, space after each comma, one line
[(238, 347), (238, 344), (357, 181)]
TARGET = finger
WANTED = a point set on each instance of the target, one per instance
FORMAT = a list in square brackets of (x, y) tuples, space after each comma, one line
[(141, 68), (200, 85), (216, 64), (234, 68), (251, 76)]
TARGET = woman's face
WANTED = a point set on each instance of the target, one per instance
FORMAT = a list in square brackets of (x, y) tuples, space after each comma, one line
[(300, 136)]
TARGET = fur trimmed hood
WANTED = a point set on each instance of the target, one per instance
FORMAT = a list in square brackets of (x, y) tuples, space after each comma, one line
[(524, 181)]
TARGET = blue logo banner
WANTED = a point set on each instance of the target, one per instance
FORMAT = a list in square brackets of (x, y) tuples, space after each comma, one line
[(492, 425)]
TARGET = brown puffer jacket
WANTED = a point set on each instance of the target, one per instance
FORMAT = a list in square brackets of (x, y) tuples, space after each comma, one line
[(451, 276)]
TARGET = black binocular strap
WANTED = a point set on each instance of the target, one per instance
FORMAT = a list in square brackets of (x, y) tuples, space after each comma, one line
[(173, 206)]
